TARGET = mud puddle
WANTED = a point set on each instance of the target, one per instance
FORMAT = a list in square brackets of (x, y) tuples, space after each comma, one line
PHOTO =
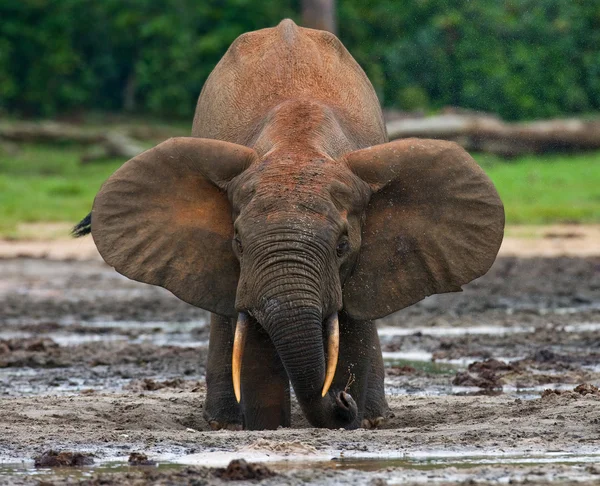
[(385, 459), (450, 467), (44, 358)]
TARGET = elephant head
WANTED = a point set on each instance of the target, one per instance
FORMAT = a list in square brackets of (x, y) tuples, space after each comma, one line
[(288, 239)]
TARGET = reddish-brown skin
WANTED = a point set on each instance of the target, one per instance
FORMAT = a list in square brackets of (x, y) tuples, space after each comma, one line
[(288, 204), (290, 86)]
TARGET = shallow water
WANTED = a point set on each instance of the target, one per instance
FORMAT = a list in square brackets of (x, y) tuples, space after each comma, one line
[(181, 334), (523, 393), (162, 333), (389, 461)]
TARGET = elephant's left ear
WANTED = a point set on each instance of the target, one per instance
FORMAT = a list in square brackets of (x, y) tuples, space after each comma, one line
[(434, 222)]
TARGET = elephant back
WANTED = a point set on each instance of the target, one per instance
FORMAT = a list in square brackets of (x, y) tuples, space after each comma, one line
[(268, 67)]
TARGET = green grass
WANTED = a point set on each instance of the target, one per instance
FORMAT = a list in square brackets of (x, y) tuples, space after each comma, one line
[(48, 184), (547, 189)]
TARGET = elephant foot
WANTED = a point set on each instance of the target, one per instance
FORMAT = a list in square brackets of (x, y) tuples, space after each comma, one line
[(372, 423), (223, 414), (376, 422), (216, 425)]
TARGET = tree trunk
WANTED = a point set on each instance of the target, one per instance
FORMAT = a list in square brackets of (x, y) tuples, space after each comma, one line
[(319, 14)]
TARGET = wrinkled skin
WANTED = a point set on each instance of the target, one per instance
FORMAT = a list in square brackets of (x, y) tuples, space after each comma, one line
[(289, 206)]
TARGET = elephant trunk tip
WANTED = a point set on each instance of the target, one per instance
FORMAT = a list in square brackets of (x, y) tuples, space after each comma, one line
[(336, 410), (347, 409)]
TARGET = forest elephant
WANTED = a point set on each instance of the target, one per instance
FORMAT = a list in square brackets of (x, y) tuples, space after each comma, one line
[(292, 219)]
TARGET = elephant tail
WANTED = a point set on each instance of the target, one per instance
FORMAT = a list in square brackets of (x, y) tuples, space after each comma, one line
[(84, 227)]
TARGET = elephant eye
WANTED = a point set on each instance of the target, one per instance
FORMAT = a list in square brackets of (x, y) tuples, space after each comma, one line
[(342, 247), (238, 245)]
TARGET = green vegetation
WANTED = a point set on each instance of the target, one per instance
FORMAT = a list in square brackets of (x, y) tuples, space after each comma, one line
[(520, 59), (548, 189), (48, 184)]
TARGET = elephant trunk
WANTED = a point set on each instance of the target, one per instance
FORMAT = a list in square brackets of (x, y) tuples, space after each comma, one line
[(295, 325)]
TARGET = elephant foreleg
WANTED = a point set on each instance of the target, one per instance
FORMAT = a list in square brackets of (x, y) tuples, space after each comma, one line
[(376, 406), (221, 409), (264, 383), (354, 362), (360, 370)]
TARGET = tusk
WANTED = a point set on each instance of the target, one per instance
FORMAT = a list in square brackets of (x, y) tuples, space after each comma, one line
[(241, 331), (333, 349)]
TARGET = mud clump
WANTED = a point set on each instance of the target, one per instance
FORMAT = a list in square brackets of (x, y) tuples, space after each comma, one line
[(240, 470), (548, 359), (30, 352), (27, 344), (40, 327), (587, 389), (148, 384), (140, 459), (401, 370), (188, 476), (484, 374), (486, 380), (494, 365), (63, 459), (580, 390), (547, 356)]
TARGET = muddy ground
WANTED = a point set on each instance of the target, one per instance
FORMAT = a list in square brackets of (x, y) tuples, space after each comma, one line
[(91, 362)]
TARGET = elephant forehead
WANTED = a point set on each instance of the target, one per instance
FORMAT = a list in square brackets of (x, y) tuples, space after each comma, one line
[(308, 212), (289, 189), (293, 177), (291, 229), (281, 213)]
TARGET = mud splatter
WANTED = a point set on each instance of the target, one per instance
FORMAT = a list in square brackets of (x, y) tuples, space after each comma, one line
[(140, 459), (63, 459), (240, 470)]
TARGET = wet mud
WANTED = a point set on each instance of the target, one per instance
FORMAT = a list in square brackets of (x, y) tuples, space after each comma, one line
[(484, 385)]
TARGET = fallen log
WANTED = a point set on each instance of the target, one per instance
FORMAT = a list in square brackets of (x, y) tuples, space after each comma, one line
[(103, 144), (475, 132), (484, 133), (114, 145), (49, 132)]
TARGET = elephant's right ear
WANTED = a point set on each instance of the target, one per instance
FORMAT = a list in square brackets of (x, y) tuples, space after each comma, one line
[(164, 218)]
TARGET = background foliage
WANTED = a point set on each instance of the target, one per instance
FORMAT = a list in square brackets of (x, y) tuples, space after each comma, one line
[(518, 58)]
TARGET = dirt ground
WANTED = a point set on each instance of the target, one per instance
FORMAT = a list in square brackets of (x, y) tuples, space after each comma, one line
[(93, 363), (51, 240)]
